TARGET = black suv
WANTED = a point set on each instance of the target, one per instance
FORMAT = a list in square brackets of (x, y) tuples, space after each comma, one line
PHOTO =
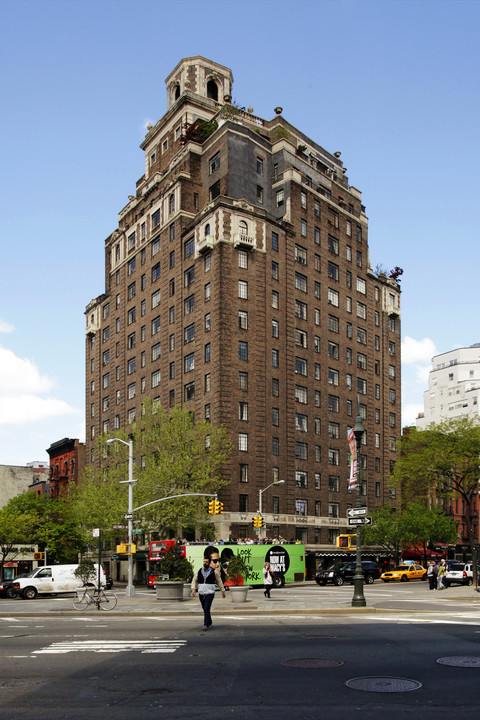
[(341, 574)]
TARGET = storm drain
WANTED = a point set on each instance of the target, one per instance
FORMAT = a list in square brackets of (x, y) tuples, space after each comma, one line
[(312, 663), (460, 661), (318, 636), (383, 684), (20, 683)]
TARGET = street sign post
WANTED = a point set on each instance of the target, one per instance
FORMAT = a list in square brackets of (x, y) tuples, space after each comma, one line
[(356, 512), (360, 520)]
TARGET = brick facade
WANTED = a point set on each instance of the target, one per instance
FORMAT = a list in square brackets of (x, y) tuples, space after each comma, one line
[(250, 250)]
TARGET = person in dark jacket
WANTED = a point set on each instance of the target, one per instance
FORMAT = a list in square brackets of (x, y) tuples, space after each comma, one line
[(206, 580)]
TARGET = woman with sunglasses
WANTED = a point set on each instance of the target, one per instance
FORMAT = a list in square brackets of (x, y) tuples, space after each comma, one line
[(205, 580)]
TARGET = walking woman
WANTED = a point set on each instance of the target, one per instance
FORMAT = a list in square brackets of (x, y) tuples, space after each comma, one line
[(205, 580), (267, 579)]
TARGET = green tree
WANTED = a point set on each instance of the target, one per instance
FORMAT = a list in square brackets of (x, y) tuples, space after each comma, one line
[(386, 531), (426, 526), (442, 464), (417, 526), (15, 532), (174, 455), (50, 523)]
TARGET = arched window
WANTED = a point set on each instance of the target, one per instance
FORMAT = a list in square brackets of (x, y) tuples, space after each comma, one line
[(212, 90), (171, 203), (207, 229), (243, 227), (177, 92)]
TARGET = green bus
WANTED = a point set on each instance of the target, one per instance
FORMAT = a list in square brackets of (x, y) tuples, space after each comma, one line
[(287, 562)]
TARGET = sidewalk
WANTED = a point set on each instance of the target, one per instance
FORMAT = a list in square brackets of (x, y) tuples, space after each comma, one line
[(296, 599)]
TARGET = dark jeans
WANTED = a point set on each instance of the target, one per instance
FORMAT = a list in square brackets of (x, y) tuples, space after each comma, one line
[(432, 582), (206, 601), (267, 590)]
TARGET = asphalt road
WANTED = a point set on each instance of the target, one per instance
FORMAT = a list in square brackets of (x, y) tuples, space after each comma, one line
[(102, 666)]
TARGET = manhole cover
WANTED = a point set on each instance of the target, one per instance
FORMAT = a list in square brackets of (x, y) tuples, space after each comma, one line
[(460, 661), (320, 636), (383, 684), (312, 662)]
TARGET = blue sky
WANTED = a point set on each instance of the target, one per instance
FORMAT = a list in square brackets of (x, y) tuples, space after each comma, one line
[(392, 85)]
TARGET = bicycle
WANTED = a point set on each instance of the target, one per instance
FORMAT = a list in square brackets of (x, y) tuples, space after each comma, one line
[(92, 596)]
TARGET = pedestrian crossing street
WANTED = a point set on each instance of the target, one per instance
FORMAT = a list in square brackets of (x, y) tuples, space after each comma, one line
[(111, 646)]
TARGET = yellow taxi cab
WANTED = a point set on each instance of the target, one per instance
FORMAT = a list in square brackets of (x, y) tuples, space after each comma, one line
[(404, 573)]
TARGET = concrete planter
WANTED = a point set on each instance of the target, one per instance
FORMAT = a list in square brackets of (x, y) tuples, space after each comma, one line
[(239, 593), (187, 591), (169, 590)]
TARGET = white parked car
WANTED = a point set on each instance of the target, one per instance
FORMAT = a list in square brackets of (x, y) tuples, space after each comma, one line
[(459, 573)]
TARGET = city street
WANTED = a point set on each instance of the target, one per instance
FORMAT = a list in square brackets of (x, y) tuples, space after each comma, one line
[(251, 663)]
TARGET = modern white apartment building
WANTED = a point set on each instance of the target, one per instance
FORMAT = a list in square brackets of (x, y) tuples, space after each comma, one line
[(453, 387)]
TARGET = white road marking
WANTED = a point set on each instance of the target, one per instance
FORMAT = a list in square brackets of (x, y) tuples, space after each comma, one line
[(112, 646)]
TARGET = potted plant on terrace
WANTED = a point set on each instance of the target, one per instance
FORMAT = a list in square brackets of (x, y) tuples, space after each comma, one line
[(178, 570), (237, 572)]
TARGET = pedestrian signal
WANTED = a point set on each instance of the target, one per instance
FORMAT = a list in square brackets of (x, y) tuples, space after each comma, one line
[(346, 541), (39, 556)]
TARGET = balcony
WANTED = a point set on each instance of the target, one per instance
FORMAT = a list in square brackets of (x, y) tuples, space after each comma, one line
[(204, 244), (245, 241), (392, 310)]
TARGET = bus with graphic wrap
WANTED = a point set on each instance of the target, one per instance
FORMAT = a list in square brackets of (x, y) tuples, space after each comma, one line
[(287, 562)]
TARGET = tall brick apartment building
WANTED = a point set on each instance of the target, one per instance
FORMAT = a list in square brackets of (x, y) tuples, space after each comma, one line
[(239, 286)]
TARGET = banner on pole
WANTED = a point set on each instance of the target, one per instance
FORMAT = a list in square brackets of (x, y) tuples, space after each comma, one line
[(352, 482)]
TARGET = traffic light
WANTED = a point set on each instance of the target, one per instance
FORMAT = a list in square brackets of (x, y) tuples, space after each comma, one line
[(39, 556), (211, 507), (218, 507), (346, 541), (258, 521)]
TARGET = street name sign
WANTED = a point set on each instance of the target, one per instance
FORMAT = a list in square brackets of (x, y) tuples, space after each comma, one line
[(356, 512), (360, 521)]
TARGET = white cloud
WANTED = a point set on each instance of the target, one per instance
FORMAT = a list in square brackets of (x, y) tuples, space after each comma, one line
[(5, 326), (28, 408), (20, 375), (410, 413), (416, 352), (21, 389), (422, 372)]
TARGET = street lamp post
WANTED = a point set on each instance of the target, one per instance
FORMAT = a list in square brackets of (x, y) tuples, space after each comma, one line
[(260, 493), (130, 589), (358, 599)]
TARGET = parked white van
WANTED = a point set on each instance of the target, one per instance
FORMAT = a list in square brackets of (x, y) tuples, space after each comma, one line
[(49, 579)]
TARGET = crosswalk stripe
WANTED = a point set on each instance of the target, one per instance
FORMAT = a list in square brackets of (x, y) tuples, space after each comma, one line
[(112, 646)]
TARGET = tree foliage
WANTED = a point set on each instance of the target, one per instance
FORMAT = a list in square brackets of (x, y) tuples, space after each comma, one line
[(28, 519), (442, 463), (385, 531), (174, 455), (417, 527), (15, 530)]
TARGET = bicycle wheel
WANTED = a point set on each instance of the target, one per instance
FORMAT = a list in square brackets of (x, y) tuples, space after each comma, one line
[(107, 600), (81, 600)]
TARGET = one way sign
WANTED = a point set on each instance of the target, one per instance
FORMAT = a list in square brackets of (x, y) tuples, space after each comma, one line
[(360, 520)]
